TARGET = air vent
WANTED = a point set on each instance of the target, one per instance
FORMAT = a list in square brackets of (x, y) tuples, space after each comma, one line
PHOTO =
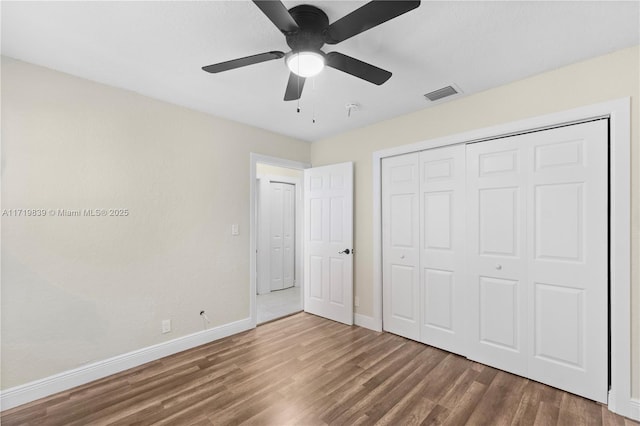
[(441, 93)]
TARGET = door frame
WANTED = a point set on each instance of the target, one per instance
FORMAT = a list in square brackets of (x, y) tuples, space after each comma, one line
[(619, 114), (254, 159), (298, 210)]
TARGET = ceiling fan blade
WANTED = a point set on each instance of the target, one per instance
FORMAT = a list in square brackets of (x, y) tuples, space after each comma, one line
[(357, 68), (366, 17), (243, 62), (294, 87), (278, 14)]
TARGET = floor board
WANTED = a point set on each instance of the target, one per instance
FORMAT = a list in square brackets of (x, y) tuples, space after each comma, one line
[(305, 370)]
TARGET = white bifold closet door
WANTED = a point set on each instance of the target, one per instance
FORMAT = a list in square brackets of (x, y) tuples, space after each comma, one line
[(423, 246), (442, 247), (281, 235), (401, 245), (537, 230), (498, 251)]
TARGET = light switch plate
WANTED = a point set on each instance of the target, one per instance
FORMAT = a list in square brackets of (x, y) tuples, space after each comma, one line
[(234, 230)]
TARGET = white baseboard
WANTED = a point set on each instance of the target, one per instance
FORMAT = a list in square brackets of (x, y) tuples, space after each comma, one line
[(634, 409), (367, 322), (37, 389), (625, 407)]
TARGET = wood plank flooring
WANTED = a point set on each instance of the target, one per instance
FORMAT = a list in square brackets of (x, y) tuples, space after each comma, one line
[(305, 370)]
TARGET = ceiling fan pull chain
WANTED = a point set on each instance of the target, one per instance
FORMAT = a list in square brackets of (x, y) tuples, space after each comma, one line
[(313, 89), (298, 80)]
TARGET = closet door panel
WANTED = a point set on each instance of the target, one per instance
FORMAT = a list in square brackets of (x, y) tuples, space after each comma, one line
[(400, 245), (567, 244), (496, 259), (288, 235), (442, 247), (276, 240)]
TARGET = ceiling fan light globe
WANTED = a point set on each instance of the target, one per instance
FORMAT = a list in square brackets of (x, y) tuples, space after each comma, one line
[(305, 64)]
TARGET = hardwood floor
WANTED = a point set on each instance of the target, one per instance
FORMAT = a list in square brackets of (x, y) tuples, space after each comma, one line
[(305, 370)]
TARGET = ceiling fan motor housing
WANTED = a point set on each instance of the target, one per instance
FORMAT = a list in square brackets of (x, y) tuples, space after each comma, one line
[(313, 24)]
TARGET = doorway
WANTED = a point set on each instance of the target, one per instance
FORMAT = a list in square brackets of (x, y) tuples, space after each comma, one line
[(325, 236), (279, 242), (271, 166)]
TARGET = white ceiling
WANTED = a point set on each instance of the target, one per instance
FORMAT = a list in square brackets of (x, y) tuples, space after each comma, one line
[(158, 48)]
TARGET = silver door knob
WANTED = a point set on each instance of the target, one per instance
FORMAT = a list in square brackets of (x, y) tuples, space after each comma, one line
[(498, 267), (402, 257)]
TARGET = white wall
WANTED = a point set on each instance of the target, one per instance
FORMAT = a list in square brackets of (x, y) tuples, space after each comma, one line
[(597, 80), (81, 289)]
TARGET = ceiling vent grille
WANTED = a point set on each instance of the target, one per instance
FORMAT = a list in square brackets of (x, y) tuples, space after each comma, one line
[(441, 93)]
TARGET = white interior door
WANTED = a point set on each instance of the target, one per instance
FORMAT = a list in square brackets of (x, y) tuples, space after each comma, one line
[(567, 243), (442, 247), (328, 225), (401, 245)]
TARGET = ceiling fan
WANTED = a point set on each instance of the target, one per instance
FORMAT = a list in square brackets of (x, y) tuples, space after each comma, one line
[(307, 29)]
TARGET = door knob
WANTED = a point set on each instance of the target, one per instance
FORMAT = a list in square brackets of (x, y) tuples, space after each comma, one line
[(402, 257), (498, 267), (345, 251)]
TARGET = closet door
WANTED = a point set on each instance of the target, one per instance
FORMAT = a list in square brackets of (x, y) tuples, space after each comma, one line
[(276, 243), (496, 259), (288, 234), (567, 243), (538, 274), (281, 235), (400, 245), (442, 247)]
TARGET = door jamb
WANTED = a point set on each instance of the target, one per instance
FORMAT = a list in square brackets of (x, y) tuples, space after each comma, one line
[(254, 159), (619, 113)]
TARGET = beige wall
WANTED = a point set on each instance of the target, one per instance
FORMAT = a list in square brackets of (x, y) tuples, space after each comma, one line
[(596, 80), (267, 169), (81, 289)]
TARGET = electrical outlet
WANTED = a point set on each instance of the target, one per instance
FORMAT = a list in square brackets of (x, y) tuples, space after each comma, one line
[(234, 230), (356, 301), (166, 326)]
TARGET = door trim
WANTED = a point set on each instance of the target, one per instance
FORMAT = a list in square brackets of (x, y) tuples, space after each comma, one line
[(619, 113), (254, 159)]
